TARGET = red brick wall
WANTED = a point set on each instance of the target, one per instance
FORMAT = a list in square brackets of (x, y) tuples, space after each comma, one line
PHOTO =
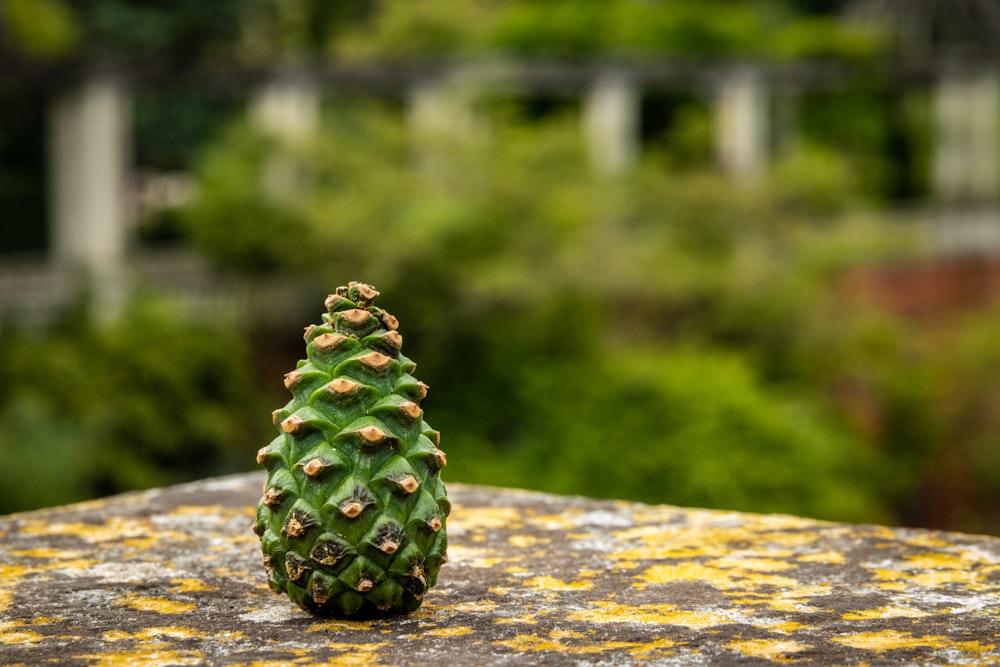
[(927, 289)]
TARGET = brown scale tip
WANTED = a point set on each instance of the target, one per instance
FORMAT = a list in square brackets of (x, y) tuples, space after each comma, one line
[(351, 509), (261, 453), (343, 386), (422, 390), (440, 458), (308, 332), (434, 436), (372, 434), (320, 595), (266, 560), (434, 523), (389, 321), (328, 341), (375, 360), (292, 424), (393, 338), (291, 378), (356, 316), (411, 410), (332, 300), (389, 547), (365, 585), (294, 528), (271, 497), (314, 467), (276, 416), (294, 567), (409, 484)]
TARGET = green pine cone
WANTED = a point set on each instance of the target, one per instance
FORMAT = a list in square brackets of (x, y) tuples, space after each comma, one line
[(352, 519)]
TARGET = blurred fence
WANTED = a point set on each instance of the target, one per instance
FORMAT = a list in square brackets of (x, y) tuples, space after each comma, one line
[(36, 292), (749, 104), (961, 272)]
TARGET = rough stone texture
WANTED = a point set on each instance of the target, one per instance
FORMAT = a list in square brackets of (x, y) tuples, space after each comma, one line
[(173, 577)]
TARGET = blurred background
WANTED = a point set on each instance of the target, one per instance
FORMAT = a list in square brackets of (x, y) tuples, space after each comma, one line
[(737, 254)]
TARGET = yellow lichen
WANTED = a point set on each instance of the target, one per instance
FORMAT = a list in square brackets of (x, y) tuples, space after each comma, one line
[(11, 572), (527, 541), (189, 586), (604, 611), (547, 583), (534, 644), (476, 557), (555, 521), (360, 654), (155, 604), (747, 565), (145, 657), (888, 611), (337, 626), (658, 648), (115, 528), (775, 650), (6, 600), (886, 640), (929, 571), (830, 557), (13, 632), (787, 627), (722, 578), (473, 606), (456, 631), (47, 553), (158, 636), (791, 600), (523, 619), (492, 517)]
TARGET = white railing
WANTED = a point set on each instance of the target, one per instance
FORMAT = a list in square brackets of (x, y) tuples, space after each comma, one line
[(36, 292)]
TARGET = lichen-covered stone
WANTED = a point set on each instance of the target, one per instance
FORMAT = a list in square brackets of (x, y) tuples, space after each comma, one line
[(172, 577), (352, 517)]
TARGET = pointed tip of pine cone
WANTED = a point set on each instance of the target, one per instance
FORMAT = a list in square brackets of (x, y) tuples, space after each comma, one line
[(366, 292)]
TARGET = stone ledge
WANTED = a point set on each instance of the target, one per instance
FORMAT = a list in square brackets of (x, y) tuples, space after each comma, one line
[(173, 577)]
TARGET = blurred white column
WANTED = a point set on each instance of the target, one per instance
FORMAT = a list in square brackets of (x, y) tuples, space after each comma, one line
[(966, 154), (89, 150), (288, 106), (742, 123), (441, 113), (444, 108), (611, 123)]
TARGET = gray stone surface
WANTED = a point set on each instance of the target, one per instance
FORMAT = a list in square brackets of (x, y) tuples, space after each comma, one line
[(173, 577)]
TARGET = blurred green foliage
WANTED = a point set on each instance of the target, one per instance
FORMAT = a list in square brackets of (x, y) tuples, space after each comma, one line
[(690, 29), (40, 29), (611, 337), (182, 33), (89, 410), (663, 335)]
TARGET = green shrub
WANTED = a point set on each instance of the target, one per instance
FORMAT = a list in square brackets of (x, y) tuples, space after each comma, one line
[(520, 276), (151, 400), (686, 427)]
